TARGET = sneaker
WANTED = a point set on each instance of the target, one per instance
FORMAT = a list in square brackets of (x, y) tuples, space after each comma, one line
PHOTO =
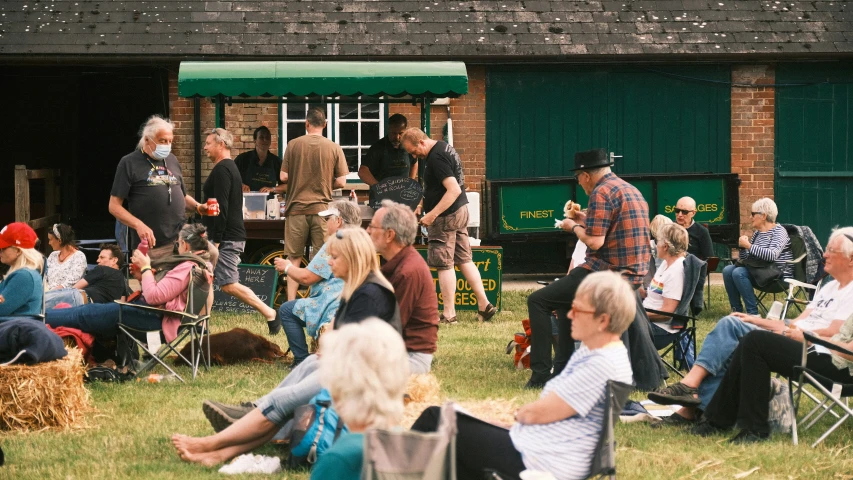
[(487, 314), (706, 429), (676, 394), (674, 420), (747, 437), (222, 415), (275, 324), (447, 321)]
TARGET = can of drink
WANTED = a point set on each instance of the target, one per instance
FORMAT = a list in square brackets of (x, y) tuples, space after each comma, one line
[(212, 207)]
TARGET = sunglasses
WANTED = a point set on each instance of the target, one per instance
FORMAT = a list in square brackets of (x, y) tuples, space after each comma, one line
[(682, 211), (755, 213)]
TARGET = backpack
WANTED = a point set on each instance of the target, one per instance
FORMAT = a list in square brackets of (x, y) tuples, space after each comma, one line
[(520, 344), (314, 429)]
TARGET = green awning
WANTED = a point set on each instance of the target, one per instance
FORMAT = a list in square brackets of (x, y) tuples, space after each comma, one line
[(308, 79)]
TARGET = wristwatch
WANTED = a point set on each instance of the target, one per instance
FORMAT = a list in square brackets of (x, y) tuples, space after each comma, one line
[(576, 225)]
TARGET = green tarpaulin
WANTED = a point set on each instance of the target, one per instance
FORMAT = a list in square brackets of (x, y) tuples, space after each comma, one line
[(309, 79)]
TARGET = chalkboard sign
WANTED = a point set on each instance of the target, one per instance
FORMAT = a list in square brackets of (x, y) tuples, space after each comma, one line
[(261, 279), (399, 189)]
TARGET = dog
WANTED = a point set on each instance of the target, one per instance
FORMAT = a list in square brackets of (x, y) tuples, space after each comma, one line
[(239, 345)]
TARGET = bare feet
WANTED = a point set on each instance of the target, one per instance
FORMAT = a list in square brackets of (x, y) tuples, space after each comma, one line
[(195, 450)]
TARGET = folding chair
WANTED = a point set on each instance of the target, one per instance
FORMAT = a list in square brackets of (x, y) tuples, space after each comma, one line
[(798, 251), (194, 324), (396, 454), (835, 394), (713, 263), (682, 340), (604, 461)]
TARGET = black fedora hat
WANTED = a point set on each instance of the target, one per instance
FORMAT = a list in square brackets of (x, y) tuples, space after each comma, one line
[(592, 159)]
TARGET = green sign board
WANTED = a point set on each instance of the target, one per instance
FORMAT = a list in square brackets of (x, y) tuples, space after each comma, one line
[(532, 207), (489, 261)]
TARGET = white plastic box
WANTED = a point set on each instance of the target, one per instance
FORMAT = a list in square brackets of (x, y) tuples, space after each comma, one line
[(255, 205)]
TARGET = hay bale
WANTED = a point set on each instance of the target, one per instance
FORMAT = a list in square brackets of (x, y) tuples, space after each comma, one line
[(45, 395)]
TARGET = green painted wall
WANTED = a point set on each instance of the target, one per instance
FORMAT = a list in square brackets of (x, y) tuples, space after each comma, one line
[(677, 121), (814, 159)]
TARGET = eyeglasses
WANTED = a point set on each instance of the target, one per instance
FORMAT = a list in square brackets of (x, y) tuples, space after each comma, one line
[(578, 310), (682, 211), (755, 213), (849, 237), (371, 226)]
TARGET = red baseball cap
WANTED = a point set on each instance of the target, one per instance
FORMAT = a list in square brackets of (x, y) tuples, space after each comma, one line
[(19, 235)]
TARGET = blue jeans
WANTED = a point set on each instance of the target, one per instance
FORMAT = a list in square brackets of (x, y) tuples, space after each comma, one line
[(294, 329), (716, 351), (296, 389), (738, 283), (101, 319), (72, 296)]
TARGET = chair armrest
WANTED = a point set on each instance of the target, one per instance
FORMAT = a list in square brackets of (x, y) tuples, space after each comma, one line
[(800, 284), (155, 309), (669, 314), (831, 346), (796, 260)]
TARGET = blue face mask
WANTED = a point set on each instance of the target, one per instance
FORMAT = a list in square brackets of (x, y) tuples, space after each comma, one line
[(162, 151)]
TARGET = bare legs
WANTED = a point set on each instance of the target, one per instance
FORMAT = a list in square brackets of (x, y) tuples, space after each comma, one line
[(247, 296), (245, 435), (447, 283)]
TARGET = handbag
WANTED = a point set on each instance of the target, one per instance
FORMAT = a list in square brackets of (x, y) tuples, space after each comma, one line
[(315, 427), (763, 272)]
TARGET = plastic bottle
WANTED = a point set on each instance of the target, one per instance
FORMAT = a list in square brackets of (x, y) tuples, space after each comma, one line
[(157, 378), (143, 246), (352, 197)]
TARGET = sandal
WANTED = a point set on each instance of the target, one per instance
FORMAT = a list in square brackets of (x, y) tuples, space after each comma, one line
[(448, 321), (487, 314)]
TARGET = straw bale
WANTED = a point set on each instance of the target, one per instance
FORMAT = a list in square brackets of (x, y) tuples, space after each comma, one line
[(45, 395)]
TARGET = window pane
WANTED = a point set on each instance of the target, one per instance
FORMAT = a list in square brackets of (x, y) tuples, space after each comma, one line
[(295, 129), (369, 133), (296, 111), (348, 110), (370, 110), (352, 158), (349, 133)]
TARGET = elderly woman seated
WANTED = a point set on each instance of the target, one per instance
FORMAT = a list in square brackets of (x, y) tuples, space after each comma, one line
[(770, 243), (170, 292), (557, 433)]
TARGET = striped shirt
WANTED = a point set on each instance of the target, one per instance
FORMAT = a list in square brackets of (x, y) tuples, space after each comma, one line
[(619, 213), (566, 448), (773, 245)]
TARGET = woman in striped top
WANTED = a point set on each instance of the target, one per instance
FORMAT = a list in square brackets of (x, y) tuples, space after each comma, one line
[(557, 433), (769, 242)]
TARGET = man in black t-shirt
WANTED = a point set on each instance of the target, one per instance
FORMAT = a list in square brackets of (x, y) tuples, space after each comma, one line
[(150, 180), (387, 158), (102, 284), (447, 221), (226, 230), (259, 167), (700, 244)]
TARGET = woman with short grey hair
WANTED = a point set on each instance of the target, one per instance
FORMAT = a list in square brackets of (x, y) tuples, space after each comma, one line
[(770, 243), (665, 289)]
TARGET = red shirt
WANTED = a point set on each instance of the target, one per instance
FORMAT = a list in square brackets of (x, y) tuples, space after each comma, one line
[(415, 292)]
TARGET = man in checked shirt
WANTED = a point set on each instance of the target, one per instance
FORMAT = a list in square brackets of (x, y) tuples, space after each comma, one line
[(615, 230)]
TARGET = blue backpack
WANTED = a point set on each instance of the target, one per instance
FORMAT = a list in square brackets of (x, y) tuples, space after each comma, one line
[(316, 426)]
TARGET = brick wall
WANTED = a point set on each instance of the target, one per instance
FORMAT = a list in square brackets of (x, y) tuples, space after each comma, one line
[(753, 128)]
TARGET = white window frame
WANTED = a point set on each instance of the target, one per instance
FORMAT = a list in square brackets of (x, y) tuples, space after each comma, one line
[(282, 129)]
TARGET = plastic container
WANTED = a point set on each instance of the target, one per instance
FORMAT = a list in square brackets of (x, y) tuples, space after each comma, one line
[(254, 205), (157, 378)]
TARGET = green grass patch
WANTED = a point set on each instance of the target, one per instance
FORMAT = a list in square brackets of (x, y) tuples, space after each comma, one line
[(128, 434)]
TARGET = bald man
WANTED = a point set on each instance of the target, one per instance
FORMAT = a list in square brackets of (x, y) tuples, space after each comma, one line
[(700, 239)]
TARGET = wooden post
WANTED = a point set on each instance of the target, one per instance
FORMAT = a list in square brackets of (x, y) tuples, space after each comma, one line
[(22, 194)]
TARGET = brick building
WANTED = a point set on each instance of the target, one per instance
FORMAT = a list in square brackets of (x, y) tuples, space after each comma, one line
[(755, 88)]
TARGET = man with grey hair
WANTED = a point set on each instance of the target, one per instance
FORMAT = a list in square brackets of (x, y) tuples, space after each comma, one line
[(324, 299), (312, 166), (226, 230), (392, 230), (700, 244), (150, 180)]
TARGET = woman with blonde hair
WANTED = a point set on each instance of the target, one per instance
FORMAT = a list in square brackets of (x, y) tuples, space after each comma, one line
[(21, 292), (366, 293)]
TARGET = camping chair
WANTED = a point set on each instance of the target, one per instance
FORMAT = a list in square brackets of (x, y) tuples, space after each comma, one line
[(394, 454), (798, 251), (680, 338), (835, 394), (194, 324)]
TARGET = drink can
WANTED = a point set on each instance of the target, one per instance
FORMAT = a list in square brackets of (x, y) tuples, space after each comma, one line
[(212, 207)]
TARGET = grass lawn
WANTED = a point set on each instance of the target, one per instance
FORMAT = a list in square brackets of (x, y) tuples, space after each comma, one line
[(128, 433)]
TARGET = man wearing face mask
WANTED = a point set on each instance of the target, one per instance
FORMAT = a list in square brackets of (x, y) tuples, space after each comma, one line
[(150, 180)]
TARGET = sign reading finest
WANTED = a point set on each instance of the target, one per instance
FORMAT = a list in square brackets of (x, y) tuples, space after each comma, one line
[(261, 279), (489, 261)]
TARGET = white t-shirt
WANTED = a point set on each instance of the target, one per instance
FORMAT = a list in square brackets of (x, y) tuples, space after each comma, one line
[(579, 254), (565, 448), (668, 282), (830, 303)]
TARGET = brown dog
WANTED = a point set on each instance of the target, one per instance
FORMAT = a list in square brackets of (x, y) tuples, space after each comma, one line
[(239, 345)]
